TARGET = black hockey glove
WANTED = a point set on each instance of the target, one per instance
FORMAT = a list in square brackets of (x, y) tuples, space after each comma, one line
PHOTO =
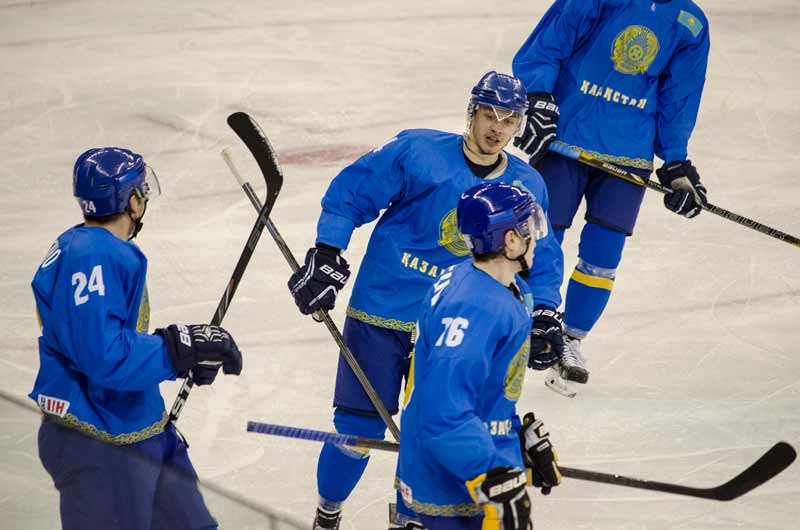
[(540, 127), (689, 195), (501, 493), (316, 284), (188, 345), (540, 458), (547, 338)]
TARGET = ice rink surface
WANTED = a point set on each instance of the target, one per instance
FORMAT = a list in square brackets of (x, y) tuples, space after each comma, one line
[(695, 366)]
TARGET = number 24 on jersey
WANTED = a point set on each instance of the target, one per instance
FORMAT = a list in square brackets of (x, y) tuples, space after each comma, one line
[(84, 287)]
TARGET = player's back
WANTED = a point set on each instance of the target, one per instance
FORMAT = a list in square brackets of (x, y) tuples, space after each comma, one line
[(469, 365), (96, 372)]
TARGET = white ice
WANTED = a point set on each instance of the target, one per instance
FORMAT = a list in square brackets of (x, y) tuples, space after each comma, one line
[(694, 367)]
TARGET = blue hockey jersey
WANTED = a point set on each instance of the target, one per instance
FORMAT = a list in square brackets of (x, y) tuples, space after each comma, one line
[(627, 75), (418, 177), (99, 371), (459, 418)]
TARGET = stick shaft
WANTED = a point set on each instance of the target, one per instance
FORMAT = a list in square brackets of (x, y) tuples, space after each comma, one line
[(585, 158), (778, 458), (320, 315)]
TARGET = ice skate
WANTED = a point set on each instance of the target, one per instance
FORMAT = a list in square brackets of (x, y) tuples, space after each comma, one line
[(327, 519), (562, 378)]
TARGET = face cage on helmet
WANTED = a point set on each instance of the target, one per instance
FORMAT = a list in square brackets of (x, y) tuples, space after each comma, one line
[(150, 188), (522, 228), (540, 229), (472, 108)]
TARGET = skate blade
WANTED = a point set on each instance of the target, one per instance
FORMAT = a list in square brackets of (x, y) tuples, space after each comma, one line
[(574, 374), (559, 386)]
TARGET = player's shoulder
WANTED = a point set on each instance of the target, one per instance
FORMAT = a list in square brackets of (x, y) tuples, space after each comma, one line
[(468, 289), (525, 176), (424, 146), (691, 6), (416, 142), (82, 244), (690, 18), (520, 165), (426, 135), (428, 140)]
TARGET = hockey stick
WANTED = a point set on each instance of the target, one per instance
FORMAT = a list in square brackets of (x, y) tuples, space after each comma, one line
[(255, 140), (779, 457), (322, 316), (586, 158)]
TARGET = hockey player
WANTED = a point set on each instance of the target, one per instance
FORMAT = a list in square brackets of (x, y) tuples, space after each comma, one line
[(417, 176), (104, 437), (461, 455), (627, 76)]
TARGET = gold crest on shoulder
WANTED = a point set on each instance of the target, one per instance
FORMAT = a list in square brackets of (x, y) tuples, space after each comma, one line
[(449, 236), (634, 50)]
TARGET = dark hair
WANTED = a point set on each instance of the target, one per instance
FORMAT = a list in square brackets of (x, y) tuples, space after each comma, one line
[(103, 219), (487, 256)]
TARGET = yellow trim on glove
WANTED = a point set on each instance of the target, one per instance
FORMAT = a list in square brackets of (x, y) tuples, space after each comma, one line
[(472, 487)]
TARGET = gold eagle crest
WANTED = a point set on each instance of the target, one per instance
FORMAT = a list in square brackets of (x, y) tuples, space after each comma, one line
[(634, 50), (515, 375), (143, 320), (449, 236)]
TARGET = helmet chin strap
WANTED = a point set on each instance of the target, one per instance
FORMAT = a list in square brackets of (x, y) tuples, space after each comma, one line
[(137, 223), (525, 270)]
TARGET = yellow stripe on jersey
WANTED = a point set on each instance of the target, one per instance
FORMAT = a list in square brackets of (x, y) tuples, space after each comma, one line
[(593, 281)]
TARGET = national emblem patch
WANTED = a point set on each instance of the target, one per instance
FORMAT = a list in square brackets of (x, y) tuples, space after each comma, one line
[(634, 50), (449, 236)]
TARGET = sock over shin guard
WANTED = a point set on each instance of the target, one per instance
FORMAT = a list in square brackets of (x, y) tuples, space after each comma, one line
[(599, 254), (340, 468)]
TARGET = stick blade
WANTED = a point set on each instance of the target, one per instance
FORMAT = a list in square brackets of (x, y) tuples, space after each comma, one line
[(779, 457), (257, 142)]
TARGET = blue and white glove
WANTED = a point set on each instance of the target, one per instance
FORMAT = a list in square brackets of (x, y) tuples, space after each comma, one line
[(315, 285), (188, 345), (547, 338), (540, 127), (688, 194)]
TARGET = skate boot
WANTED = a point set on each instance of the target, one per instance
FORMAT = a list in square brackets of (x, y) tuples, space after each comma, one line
[(327, 519), (562, 377)]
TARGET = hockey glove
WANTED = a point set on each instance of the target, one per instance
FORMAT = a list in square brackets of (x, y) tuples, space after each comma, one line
[(315, 285), (540, 127), (501, 493), (188, 345), (547, 338), (689, 195), (538, 454)]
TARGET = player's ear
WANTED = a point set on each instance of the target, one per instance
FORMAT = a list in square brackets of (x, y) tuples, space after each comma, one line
[(510, 239), (136, 205)]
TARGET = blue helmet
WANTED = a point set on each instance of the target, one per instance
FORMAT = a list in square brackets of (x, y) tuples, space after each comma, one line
[(487, 211), (104, 178), (501, 91)]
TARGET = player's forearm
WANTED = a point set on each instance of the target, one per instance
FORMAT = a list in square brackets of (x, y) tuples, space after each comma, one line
[(547, 273), (672, 138), (467, 450), (126, 362), (536, 69), (334, 230)]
